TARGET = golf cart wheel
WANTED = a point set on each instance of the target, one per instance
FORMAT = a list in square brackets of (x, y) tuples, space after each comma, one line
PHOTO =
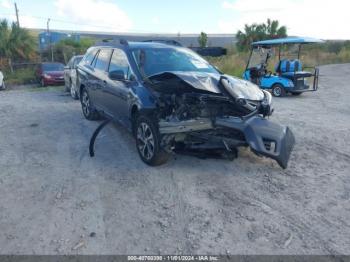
[(148, 142), (278, 90), (72, 91), (86, 105), (297, 94)]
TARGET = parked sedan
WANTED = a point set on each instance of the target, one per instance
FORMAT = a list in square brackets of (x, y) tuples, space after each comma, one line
[(50, 74), (70, 76), (2, 82)]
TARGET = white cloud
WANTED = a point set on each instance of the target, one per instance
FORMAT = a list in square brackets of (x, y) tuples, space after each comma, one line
[(323, 19), (155, 20), (94, 15), (6, 4)]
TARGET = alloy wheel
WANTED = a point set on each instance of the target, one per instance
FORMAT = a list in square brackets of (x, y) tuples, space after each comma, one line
[(85, 102), (145, 141)]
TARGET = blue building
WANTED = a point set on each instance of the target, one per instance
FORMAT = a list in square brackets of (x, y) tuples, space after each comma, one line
[(45, 38)]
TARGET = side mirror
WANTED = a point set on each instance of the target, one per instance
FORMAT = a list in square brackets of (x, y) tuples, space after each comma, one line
[(117, 75)]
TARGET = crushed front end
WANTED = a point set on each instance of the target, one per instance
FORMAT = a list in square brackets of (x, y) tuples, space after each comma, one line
[(200, 113)]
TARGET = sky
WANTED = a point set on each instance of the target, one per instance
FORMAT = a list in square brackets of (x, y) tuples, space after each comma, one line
[(314, 18)]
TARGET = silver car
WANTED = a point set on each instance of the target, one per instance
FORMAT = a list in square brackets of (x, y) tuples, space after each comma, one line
[(70, 76), (2, 82)]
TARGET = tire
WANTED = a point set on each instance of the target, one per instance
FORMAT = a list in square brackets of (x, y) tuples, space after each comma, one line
[(278, 90), (148, 142), (297, 94), (72, 91), (42, 82), (67, 87), (3, 87), (86, 105)]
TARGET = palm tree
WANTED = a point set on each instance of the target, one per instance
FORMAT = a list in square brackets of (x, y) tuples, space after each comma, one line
[(257, 32), (15, 43)]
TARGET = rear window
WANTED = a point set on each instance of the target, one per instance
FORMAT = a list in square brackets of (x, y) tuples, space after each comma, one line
[(53, 67), (77, 61)]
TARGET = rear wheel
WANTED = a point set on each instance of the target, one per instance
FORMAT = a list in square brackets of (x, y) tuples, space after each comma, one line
[(278, 90), (42, 82), (3, 87), (73, 93), (148, 142), (88, 111)]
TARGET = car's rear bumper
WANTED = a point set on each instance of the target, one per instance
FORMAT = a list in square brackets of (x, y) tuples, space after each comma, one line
[(53, 81)]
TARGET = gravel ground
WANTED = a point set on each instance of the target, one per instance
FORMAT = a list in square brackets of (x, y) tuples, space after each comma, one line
[(55, 199)]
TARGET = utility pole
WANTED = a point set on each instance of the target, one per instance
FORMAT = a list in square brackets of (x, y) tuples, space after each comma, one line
[(49, 35), (16, 10)]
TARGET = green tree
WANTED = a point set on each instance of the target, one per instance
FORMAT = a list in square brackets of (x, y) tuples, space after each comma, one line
[(258, 32), (16, 44), (203, 39), (67, 48)]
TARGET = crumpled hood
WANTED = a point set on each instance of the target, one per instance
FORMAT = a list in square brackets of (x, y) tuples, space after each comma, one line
[(210, 82), (245, 89)]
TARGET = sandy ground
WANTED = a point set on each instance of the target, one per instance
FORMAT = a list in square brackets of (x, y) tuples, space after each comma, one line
[(55, 199)]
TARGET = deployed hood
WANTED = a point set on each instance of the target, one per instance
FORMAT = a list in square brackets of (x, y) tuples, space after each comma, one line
[(207, 82)]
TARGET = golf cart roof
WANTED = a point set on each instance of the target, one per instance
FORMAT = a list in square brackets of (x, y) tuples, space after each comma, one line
[(287, 40)]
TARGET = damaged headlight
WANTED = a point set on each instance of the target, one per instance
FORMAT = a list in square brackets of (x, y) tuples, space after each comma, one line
[(266, 104)]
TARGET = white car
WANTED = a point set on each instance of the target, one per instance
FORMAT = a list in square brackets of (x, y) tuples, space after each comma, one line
[(2, 82), (70, 76)]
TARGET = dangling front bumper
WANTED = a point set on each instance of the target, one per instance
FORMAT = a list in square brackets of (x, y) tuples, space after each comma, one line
[(263, 136)]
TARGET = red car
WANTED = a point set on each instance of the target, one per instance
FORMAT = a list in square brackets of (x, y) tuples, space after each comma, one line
[(50, 73)]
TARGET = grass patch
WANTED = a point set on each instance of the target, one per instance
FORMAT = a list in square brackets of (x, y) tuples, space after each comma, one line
[(45, 89), (20, 76), (235, 62)]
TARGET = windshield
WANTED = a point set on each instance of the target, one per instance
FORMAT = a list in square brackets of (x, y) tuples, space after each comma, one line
[(258, 57), (153, 61), (53, 67)]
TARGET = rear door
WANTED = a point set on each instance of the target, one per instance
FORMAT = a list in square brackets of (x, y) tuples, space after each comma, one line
[(73, 73), (100, 66), (67, 72)]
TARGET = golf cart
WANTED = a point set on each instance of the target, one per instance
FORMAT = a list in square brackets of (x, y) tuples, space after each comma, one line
[(289, 75)]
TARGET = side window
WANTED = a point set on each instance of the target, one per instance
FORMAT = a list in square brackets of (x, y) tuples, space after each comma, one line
[(76, 62), (119, 62), (102, 60), (90, 56)]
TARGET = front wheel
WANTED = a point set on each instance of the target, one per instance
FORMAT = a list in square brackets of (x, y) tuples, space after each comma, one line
[(278, 90), (88, 111), (148, 142)]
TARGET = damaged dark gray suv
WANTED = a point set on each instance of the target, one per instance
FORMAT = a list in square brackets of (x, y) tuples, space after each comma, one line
[(173, 100)]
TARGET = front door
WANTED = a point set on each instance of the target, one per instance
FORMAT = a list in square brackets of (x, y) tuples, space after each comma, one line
[(117, 92)]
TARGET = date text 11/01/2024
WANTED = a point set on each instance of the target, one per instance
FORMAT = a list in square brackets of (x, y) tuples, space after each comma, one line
[(173, 258)]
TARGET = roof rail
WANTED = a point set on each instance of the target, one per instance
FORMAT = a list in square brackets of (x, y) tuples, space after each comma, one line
[(113, 42), (164, 41)]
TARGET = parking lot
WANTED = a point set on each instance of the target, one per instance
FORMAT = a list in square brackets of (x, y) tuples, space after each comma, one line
[(55, 199)]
